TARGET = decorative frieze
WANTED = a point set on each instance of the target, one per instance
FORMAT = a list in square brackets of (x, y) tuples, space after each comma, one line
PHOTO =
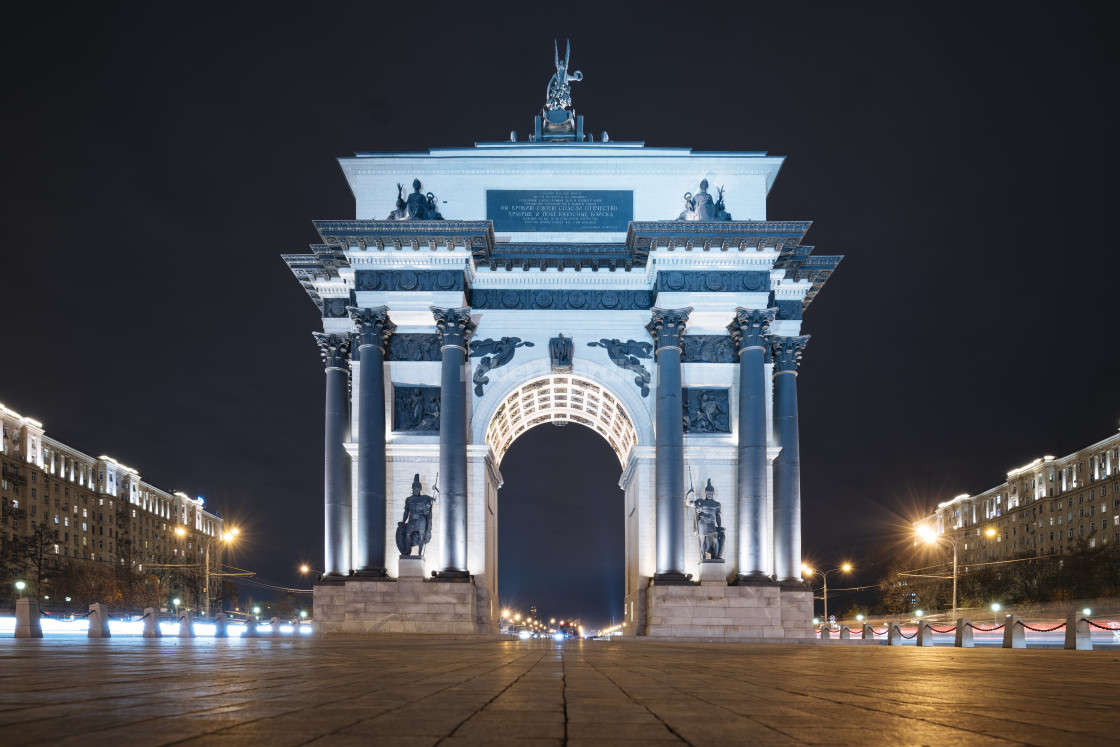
[(409, 280), (335, 308), (708, 349), (411, 346), (716, 281), (563, 300), (789, 309)]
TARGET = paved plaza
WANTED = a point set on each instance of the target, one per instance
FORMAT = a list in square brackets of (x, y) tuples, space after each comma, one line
[(406, 692)]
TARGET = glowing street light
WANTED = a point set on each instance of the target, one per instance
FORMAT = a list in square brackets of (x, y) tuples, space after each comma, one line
[(807, 571), (927, 534), (224, 537), (21, 585)]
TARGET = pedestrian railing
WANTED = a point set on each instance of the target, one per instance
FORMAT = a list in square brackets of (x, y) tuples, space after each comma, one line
[(1078, 633)]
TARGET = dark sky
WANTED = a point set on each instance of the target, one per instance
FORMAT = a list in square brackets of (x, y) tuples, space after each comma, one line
[(159, 159)]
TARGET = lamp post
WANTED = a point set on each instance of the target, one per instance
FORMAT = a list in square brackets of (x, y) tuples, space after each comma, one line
[(807, 571), (21, 585), (224, 537), (928, 535)]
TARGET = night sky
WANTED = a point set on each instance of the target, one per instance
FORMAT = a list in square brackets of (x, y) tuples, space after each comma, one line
[(160, 159)]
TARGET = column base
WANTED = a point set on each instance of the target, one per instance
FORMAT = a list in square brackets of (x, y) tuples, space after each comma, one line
[(672, 578), (372, 573), (755, 579), (455, 577), (794, 584)]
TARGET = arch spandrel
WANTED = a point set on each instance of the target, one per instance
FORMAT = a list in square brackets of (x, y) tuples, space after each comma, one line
[(516, 404)]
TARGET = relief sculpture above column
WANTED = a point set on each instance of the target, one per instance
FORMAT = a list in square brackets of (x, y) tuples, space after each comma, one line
[(416, 408), (626, 355), (494, 353)]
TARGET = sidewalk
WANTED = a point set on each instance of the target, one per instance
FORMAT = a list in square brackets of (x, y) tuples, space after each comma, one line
[(405, 692)]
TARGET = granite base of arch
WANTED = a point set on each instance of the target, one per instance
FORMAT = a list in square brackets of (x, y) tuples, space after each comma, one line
[(407, 605), (718, 611)]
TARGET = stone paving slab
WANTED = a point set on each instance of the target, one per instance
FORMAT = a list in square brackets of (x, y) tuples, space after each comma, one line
[(419, 692)]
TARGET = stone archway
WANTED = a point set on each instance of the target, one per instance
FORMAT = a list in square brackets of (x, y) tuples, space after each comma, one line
[(590, 396), (562, 398)]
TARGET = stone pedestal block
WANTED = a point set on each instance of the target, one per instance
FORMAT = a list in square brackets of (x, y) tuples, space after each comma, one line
[(151, 623), (712, 573), (408, 605), (27, 619), (186, 625), (98, 621), (722, 612), (411, 567)]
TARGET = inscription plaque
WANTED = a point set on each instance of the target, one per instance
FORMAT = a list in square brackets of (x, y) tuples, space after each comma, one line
[(575, 210)]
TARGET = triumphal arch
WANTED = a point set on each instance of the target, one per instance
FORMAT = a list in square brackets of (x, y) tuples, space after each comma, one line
[(561, 277)]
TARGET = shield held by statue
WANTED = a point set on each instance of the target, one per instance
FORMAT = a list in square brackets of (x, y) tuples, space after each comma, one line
[(402, 539)]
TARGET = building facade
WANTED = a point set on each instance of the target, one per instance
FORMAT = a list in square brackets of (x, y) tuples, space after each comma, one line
[(1047, 507), (101, 510), (565, 279)]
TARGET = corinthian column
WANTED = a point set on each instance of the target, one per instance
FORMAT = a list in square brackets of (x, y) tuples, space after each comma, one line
[(667, 327), (335, 350), (373, 331), (455, 329), (787, 466), (751, 330)]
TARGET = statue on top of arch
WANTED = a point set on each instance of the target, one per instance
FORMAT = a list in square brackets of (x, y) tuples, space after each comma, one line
[(417, 206), (559, 92), (700, 206)]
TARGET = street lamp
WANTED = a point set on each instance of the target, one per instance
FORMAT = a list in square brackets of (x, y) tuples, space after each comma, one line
[(224, 537), (929, 536), (21, 585), (807, 571), (175, 604)]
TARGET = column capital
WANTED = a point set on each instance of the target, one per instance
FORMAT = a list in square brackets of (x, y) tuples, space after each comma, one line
[(751, 327), (334, 349), (666, 327), (373, 325), (787, 352), (455, 327)]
